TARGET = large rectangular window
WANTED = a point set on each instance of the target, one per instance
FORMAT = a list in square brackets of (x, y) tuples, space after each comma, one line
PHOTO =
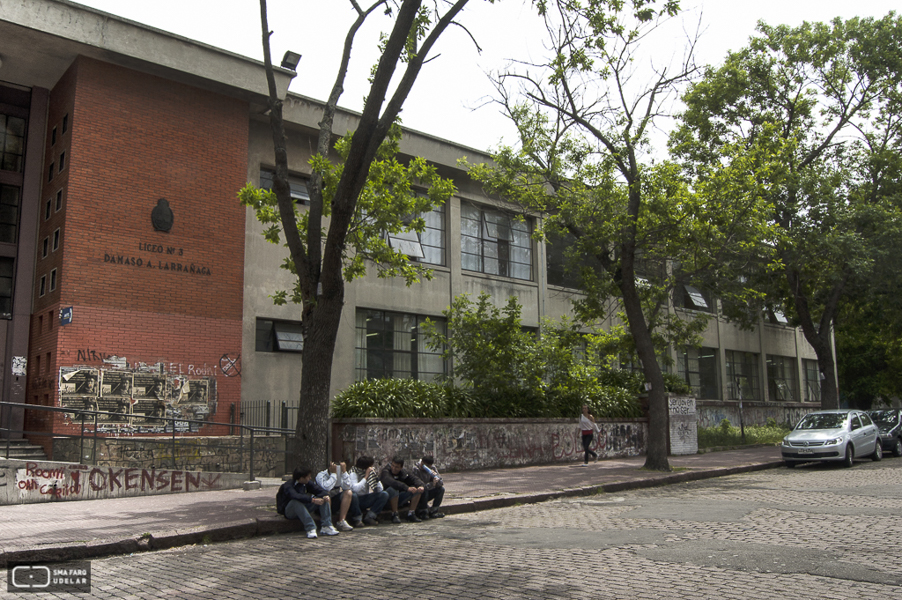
[(279, 336), (392, 345), (781, 379), (9, 213), (427, 246), (742, 376), (812, 381), (494, 243), (6, 287), (698, 366), (12, 143), (297, 185), (561, 269)]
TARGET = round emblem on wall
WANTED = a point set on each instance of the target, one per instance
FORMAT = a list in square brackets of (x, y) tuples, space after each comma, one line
[(161, 216)]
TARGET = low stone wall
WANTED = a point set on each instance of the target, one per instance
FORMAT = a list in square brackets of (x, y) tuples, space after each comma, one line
[(25, 482), (468, 444), (711, 413), (218, 454)]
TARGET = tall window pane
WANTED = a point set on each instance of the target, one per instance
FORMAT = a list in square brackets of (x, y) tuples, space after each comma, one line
[(494, 243), (781, 379), (698, 366), (742, 376)]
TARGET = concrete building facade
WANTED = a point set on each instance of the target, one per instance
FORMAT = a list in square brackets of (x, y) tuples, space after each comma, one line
[(136, 283)]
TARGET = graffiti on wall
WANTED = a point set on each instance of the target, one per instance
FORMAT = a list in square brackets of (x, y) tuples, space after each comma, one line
[(460, 446), (136, 398), (56, 481)]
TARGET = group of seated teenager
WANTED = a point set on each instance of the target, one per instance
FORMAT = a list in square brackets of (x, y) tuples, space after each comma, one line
[(361, 494)]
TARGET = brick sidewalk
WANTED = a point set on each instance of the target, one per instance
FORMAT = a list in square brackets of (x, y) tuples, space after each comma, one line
[(83, 529)]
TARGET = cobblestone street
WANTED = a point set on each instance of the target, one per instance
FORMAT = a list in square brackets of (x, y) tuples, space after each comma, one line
[(813, 532)]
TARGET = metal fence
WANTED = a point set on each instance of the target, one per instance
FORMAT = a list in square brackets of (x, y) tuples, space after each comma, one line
[(269, 413), (174, 427)]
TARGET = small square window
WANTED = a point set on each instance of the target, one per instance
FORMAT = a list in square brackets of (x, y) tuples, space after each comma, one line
[(279, 336), (59, 200), (56, 240), (47, 208), (50, 173), (53, 280), (62, 161), (53, 136), (65, 123), (45, 247), (43, 286)]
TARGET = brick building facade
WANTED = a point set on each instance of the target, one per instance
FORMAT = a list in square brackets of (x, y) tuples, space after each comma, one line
[(137, 283)]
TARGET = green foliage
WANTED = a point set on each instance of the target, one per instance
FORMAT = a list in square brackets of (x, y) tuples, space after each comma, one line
[(727, 435), (492, 353), (407, 398), (389, 203), (814, 113)]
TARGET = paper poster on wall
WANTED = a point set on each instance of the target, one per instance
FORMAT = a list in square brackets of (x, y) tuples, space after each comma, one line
[(20, 364), (139, 399)]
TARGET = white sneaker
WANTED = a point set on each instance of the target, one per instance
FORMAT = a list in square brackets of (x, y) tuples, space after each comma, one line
[(343, 526), (328, 530), (311, 535)]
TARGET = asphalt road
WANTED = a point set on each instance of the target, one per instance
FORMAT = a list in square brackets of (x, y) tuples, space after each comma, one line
[(812, 532)]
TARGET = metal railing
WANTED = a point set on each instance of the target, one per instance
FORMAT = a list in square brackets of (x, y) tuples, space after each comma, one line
[(269, 413), (173, 427)]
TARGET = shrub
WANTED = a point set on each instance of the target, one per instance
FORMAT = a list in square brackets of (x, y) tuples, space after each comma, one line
[(727, 435), (408, 398)]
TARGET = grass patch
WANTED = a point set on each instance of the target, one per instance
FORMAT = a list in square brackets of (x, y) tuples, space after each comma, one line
[(726, 434)]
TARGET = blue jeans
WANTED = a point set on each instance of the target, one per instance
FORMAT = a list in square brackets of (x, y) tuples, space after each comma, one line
[(374, 501), (298, 510)]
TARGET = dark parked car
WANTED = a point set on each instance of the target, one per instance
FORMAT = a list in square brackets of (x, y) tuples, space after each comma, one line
[(890, 424)]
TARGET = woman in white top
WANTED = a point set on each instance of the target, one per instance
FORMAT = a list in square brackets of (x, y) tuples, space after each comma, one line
[(588, 427)]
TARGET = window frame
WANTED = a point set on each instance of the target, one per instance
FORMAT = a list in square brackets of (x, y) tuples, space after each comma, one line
[(282, 336), (491, 223), (388, 358), (782, 378), (748, 367)]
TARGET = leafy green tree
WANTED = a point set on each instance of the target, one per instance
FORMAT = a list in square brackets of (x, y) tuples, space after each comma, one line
[(637, 226), (354, 199), (820, 102), (490, 350)]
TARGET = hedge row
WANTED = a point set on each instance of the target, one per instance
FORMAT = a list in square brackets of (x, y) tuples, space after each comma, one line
[(614, 396)]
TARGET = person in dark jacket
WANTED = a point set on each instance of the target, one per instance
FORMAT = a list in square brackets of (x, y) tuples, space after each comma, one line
[(425, 470), (297, 498), (401, 487)]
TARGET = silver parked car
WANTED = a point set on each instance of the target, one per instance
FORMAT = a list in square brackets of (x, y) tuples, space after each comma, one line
[(837, 435)]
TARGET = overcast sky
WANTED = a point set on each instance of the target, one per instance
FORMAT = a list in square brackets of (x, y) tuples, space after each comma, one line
[(451, 98)]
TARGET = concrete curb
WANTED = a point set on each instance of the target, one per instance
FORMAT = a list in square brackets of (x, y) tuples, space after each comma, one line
[(272, 525)]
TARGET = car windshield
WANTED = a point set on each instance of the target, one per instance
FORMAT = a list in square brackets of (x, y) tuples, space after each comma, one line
[(822, 421), (884, 417)]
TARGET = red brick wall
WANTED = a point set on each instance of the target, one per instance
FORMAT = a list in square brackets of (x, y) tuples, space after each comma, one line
[(134, 139)]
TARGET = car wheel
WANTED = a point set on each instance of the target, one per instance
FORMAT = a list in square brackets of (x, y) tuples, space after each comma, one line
[(897, 447), (878, 451), (848, 461)]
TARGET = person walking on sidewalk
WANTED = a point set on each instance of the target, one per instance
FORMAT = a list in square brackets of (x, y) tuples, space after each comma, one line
[(588, 427)]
